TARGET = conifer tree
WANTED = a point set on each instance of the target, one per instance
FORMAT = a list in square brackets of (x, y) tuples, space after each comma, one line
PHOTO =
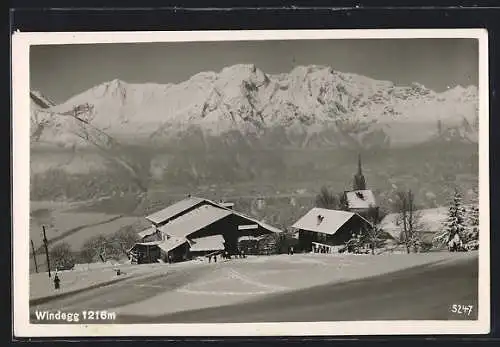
[(473, 223), (455, 224)]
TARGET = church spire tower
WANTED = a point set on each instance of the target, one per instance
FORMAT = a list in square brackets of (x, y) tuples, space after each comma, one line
[(359, 179)]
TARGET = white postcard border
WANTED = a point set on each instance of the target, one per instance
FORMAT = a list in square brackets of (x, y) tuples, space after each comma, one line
[(21, 43)]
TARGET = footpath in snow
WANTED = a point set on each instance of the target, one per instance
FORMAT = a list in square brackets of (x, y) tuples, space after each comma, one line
[(243, 279)]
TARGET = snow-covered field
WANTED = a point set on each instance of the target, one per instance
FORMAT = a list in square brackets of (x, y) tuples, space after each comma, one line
[(241, 279)]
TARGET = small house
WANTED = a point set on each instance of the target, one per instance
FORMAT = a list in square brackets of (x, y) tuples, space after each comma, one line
[(329, 228)]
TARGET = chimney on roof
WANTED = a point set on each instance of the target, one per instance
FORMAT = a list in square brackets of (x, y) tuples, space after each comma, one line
[(360, 195), (320, 219), (227, 204)]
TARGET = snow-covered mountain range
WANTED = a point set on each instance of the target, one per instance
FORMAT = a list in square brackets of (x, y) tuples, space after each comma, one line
[(310, 106)]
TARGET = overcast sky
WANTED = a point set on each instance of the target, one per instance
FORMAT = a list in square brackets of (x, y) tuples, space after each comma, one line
[(62, 71)]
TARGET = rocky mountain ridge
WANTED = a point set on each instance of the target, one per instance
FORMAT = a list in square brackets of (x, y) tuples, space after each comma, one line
[(312, 106)]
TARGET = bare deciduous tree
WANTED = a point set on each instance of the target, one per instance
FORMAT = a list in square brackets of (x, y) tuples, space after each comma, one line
[(327, 199), (124, 239), (114, 246), (62, 256), (408, 219), (93, 249)]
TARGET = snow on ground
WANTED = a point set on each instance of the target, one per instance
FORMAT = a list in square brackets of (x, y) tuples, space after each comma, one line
[(42, 286), (242, 279), (87, 275)]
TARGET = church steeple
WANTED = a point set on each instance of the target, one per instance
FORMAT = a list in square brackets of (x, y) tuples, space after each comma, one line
[(359, 179)]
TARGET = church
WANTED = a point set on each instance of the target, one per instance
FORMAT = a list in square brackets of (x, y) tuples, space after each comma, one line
[(360, 200)]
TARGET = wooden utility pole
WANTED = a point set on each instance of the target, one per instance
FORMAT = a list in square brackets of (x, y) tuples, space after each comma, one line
[(46, 244), (34, 255)]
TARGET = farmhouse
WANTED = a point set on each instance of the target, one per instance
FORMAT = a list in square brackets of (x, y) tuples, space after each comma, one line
[(194, 227), (328, 230)]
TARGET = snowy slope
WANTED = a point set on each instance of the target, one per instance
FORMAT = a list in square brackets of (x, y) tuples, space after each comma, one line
[(311, 104)]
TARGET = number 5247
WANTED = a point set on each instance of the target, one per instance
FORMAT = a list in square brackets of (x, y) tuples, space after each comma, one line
[(462, 309)]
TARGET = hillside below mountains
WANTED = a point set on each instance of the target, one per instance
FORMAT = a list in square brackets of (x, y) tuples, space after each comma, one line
[(310, 107)]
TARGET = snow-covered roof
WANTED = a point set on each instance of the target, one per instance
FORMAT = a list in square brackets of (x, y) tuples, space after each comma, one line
[(174, 210), (209, 243), (194, 220), (322, 220), (151, 243), (171, 243), (361, 199), (165, 245), (147, 232), (250, 238)]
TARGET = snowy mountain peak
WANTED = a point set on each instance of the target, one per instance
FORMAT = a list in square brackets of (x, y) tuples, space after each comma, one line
[(240, 69), (242, 73), (309, 100), (115, 88)]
